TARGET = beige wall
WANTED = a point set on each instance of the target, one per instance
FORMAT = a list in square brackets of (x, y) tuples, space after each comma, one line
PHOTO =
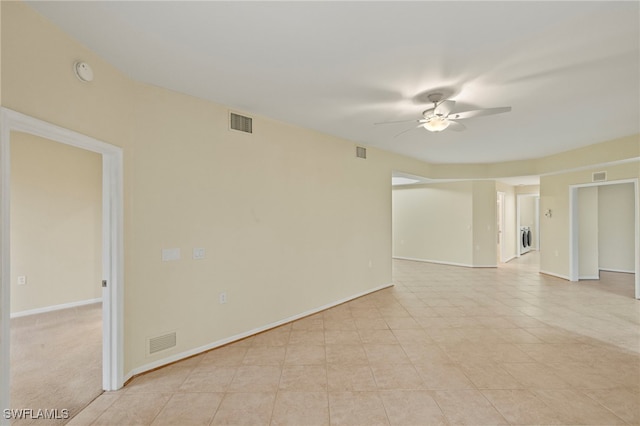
[(290, 219), (616, 227), (56, 223)]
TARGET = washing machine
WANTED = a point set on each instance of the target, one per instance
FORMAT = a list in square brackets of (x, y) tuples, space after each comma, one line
[(525, 239)]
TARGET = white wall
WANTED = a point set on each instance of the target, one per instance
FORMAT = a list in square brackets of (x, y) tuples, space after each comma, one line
[(616, 227), (452, 223), (56, 211), (434, 222)]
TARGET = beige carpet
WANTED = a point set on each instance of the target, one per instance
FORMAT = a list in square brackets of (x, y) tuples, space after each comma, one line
[(56, 361)]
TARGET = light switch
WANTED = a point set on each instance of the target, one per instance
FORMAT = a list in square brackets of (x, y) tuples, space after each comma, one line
[(198, 253), (170, 254), (22, 280)]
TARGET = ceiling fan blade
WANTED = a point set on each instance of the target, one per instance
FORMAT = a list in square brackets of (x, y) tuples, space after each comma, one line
[(444, 108), (410, 129), (478, 112), (396, 122), (455, 126)]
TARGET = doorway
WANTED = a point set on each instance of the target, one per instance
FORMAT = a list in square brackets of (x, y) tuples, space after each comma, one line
[(500, 220), (527, 223), (575, 225), (111, 237), (55, 259)]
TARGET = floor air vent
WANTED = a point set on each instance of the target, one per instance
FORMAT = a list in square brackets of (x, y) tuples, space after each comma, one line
[(240, 123), (361, 152), (599, 176), (160, 343)]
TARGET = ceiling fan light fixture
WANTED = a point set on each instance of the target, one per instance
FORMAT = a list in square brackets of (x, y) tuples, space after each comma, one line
[(436, 124)]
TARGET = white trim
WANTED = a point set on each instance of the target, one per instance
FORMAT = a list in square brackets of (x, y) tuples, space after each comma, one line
[(112, 243), (537, 223), (589, 277), (592, 166), (439, 262), (573, 227), (510, 259), (55, 307), (553, 274), (240, 336), (574, 233), (502, 196), (622, 271), (5, 303), (442, 262)]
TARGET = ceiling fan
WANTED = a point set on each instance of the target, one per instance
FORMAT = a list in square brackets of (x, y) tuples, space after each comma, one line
[(441, 117)]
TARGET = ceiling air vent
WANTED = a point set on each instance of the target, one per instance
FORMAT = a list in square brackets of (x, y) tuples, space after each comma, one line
[(361, 152), (599, 176), (160, 343), (240, 123)]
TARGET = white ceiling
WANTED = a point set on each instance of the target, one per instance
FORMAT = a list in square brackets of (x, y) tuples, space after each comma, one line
[(570, 70)]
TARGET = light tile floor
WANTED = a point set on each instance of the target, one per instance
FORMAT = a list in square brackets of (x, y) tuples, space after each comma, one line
[(446, 345)]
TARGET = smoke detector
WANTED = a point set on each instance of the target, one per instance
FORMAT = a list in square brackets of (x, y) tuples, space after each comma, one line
[(83, 71)]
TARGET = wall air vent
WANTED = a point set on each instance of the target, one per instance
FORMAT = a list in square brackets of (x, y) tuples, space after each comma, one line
[(240, 123), (361, 152), (599, 176), (160, 343)]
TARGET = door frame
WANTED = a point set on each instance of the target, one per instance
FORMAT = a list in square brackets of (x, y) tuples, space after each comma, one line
[(112, 243), (501, 197), (537, 214), (574, 255)]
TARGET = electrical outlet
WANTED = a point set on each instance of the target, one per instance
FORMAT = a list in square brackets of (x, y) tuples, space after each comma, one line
[(222, 298), (198, 253), (22, 280)]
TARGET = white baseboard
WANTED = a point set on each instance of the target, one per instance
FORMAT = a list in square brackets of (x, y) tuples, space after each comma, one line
[(589, 277), (623, 271), (510, 259), (186, 354), (441, 262), (553, 274), (55, 307)]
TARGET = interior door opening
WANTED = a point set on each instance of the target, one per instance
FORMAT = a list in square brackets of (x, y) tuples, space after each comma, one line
[(111, 233), (500, 227), (528, 225), (56, 263), (586, 246)]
